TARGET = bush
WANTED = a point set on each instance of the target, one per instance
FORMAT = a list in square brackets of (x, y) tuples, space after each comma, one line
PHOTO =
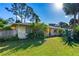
[(9, 39), (38, 32), (7, 28), (76, 33), (60, 31), (2, 40), (36, 35), (13, 38)]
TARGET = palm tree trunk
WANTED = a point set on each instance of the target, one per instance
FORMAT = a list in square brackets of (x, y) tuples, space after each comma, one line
[(75, 19), (74, 16), (78, 17)]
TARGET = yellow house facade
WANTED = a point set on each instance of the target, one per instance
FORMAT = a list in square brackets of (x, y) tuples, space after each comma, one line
[(21, 29)]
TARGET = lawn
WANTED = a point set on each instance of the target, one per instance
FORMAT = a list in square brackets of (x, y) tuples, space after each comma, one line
[(51, 47)]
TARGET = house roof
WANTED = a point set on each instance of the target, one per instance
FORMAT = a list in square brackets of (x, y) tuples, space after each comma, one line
[(54, 27), (21, 24)]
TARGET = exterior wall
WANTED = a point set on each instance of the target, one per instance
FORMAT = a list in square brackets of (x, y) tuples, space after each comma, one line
[(7, 33), (21, 30), (53, 32)]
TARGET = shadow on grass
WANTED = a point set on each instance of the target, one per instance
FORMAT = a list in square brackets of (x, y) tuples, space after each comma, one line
[(14, 46)]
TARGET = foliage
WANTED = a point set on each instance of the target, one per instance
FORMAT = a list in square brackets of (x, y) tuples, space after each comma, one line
[(38, 26), (13, 38), (23, 11), (2, 23), (18, 21), (76, 33), (60, 31), (71, 9), (35, 18), (10, 20), (68, 37), (76, 28), (63, 25), (2, 40), (73, 22), (36, 36), (37, 32), (7, 27)]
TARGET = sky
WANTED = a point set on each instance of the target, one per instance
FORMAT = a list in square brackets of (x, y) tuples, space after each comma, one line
[(47, 12)]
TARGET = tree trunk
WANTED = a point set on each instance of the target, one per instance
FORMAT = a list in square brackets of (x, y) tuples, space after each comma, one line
[(74, 19), (16, 18), (74, 16), (78, 17), (21, 19), (24, 20)]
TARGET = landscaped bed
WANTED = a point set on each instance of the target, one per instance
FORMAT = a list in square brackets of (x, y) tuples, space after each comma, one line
[(51, 47)]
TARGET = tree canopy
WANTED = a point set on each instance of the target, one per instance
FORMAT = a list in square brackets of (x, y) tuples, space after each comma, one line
[(23, 11), (71, 9)]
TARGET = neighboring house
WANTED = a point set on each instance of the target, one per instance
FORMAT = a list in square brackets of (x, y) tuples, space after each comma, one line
[(53, 29)]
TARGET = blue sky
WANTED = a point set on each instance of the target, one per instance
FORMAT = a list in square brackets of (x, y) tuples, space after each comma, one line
[(48, 13)]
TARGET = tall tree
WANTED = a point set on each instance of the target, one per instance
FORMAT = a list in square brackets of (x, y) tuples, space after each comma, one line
[(10, 20), (72, 22), (23, 11), (35, 18), (13, 9), (63, 25), (2, 23), (70, 9)]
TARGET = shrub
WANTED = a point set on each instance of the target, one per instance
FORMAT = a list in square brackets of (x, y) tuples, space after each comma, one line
[(1, 24), (38, 32), (36, 35), (2, 40), (7, 28), (60, 31), (76, 33), (9, 39), (12, 38)]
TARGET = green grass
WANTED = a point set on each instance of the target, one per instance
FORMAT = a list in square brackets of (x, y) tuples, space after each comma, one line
[(51, 47)]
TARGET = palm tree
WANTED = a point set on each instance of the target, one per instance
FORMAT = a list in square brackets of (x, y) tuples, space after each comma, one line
[(72, 22), (70, 9)]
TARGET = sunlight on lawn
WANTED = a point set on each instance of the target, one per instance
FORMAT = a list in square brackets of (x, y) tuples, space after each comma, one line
[(52, 47)]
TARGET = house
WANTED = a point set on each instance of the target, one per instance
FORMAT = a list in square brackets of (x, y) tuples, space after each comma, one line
[(21, 29), (53, 29)]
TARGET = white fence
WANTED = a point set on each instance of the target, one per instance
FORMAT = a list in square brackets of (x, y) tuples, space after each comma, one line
[(7, 33)]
